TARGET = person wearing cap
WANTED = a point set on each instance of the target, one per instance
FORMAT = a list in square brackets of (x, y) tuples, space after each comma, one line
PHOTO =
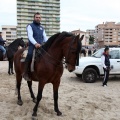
[(2, 42), (36, 37), (106, 65)]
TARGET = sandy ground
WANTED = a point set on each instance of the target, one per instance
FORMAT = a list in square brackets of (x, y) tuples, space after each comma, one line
[(77, 100)]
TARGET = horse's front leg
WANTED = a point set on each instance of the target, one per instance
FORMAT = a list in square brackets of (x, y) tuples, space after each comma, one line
[(31, 91), (18, 85), (9, 67), (55, 90), (39, 97), (12, 66)]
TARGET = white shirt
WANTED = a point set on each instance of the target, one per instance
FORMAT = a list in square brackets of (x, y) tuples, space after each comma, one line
[(103, 61), (30, 35)]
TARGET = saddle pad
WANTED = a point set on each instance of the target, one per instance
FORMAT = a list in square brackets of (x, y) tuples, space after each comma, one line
[(24, 55)]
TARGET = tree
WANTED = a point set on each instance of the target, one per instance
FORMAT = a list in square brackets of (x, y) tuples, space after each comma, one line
[(91, 40)]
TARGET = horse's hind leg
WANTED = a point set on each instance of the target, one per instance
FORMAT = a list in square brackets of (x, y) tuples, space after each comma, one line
[(31, 91), (18, 85), (55, 90)]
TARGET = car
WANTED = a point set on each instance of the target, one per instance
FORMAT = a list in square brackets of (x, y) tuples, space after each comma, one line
[(90, 68)]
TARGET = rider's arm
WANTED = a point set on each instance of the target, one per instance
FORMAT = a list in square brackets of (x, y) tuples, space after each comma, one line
[(1, 40), (44, 36), (30, 35)]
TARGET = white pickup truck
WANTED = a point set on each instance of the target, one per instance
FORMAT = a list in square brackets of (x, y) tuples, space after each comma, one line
[(90, 68)]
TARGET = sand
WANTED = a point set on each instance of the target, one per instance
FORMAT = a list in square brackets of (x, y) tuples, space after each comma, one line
[(77, 100)]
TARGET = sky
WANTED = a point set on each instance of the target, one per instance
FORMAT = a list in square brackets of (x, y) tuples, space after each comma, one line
[(75, 14)]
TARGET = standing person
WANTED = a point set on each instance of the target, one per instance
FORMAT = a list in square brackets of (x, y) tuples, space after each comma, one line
[(85, 53), (89, 52), (36, 36), (106, 65), (2, 42)]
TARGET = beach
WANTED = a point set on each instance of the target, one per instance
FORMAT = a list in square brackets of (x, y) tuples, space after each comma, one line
[(77, 100)]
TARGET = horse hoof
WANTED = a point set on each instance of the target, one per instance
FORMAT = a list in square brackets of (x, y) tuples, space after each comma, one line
[(35, 100), (59, 113), (34, 116), (12, 72), (20, 102)]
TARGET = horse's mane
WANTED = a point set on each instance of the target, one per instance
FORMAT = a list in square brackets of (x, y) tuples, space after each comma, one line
[(13, 44), (47, 45), (56, 37)]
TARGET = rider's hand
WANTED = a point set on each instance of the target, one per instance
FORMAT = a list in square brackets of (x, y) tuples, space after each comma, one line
[(37, 45)]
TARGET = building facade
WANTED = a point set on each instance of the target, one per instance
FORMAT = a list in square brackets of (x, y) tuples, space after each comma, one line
[(9, 33), (85, 41), (107, 34), (49, 10), (91, 32)]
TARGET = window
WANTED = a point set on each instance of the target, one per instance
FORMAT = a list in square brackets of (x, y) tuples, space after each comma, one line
[(114, 54), (98, 54), (8, 32)]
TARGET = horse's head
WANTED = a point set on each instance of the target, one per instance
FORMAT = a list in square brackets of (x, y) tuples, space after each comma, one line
[(21, 42), (71, 49)]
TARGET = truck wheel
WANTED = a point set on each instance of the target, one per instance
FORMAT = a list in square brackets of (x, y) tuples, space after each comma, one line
[(79, 75), (89, 75)]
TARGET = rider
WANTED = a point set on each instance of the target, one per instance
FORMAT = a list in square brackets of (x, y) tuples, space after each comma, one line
[(2, 42), (36, 36)]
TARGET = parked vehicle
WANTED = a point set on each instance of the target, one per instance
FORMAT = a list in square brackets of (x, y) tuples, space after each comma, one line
[(90, 68)]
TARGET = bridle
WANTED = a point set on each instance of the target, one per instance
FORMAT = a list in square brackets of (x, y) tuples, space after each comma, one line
[(70, 48), (60, 63)]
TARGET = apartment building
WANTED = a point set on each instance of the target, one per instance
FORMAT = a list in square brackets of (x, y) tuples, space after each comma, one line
[(91, 32), (49, 10), (9, 33), (85, 41), (107, 34)]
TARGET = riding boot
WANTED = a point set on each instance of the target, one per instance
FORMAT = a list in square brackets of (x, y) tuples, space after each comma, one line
[(26, 71), (4, 57)]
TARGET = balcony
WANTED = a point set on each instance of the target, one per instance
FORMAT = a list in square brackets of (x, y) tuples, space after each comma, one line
[(22, 14), (20, 3), (24, 18)]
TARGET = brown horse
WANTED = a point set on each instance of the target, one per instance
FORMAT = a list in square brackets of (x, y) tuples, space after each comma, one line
[(48, 66)]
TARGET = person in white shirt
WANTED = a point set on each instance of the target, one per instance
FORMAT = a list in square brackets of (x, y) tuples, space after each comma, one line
[(106, 65), (36, 36)]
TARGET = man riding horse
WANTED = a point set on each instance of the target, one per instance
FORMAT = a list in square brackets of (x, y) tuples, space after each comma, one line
[(36, 36), (2, 42)]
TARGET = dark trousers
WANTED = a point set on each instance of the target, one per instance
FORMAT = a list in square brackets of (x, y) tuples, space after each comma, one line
[(106, 76), (30, 53)]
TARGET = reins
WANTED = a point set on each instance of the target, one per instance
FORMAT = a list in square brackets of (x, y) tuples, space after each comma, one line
[(39, 52), (60, 62)]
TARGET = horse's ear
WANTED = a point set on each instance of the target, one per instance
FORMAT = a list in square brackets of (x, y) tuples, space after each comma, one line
[(81, 38)]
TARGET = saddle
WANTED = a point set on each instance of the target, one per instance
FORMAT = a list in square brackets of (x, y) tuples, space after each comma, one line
[(37, 53)]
